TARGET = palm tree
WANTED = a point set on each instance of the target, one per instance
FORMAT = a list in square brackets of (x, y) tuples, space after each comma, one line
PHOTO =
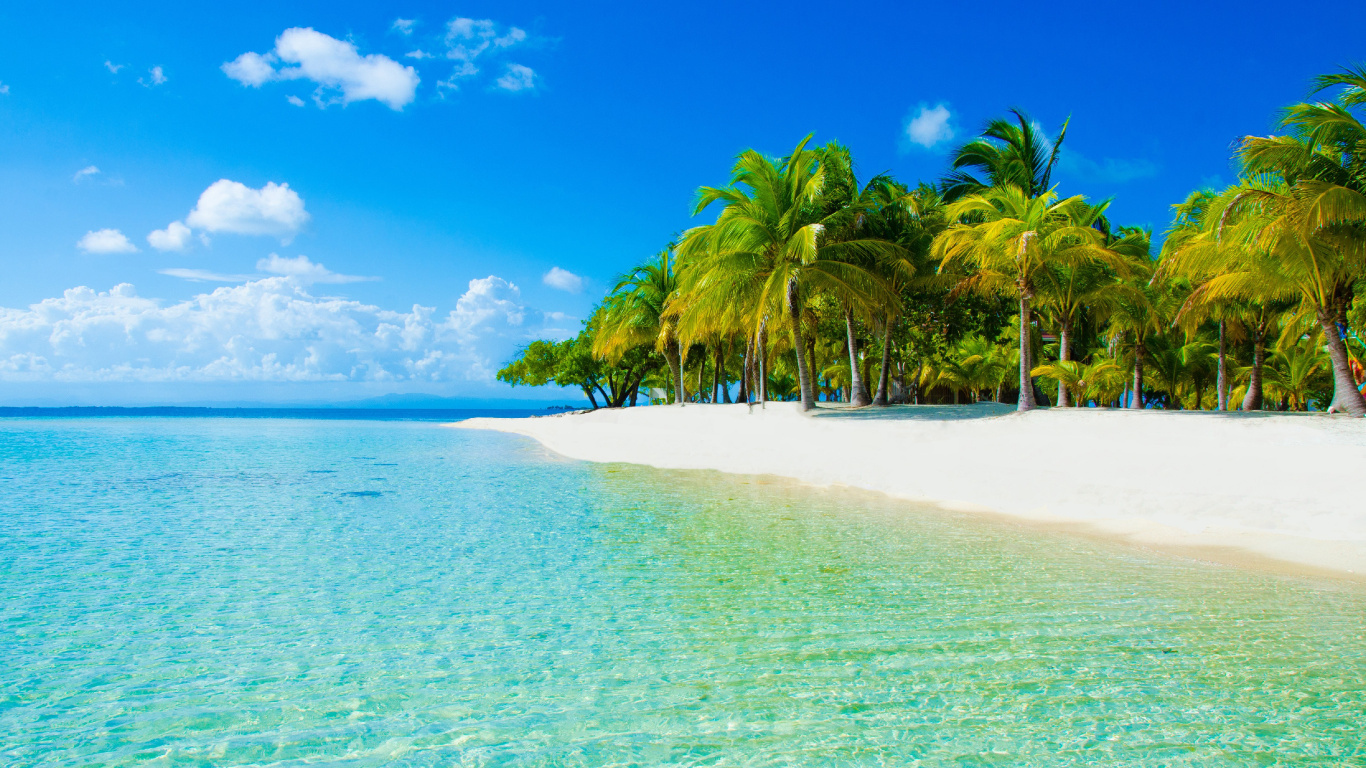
[(1294, 371), (1006, 239), (1101, 380), (1313, 224), (634, 314), (1009, 153), (1284, 254), (766, 247)]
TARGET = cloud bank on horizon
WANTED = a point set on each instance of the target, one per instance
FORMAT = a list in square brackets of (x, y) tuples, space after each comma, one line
[(271, 329)]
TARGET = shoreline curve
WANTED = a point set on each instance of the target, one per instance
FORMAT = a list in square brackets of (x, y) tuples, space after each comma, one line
[(1265, 490)]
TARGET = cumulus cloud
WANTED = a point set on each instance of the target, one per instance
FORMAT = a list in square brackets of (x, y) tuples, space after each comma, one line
[(175, 237), (154, 77), (304, 271), (930, 126), (517, 78), (231, 206), (563, 279), (4, 89), (85, 172), (403, 26), (295, 100), (333, 64), (271, 329), (112, 67), (106, 241), (419, 54)]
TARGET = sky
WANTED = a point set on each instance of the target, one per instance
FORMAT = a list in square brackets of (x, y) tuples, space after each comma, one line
[(331, 201)]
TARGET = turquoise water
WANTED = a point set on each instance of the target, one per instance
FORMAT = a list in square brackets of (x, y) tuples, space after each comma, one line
[(277, 592)]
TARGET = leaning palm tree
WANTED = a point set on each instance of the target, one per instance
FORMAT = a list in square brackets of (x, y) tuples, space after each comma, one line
[(1314, 225), (768, 239), (1006, 238), (634, 314), (1286, 253)]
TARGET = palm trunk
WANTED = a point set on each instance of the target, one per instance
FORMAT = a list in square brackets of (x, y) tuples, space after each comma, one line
[(858, 391), (815, 369), (721, 367), (794, 312), (1223, 370), (672, 354), (1064, 353), (881, 397), (763, 362), (1026, 402), (914, 394), (1346, 397), (1137, 402), (701, 369), (1252, 401), (746, 371)]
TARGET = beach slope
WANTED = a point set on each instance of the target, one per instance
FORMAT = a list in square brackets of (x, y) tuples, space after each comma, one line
[(1286, 487)]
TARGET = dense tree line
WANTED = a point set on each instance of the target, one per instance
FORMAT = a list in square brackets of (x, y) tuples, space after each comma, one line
[(812, 284)]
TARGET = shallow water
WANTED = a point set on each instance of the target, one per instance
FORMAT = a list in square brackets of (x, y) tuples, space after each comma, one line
[(228, 592)]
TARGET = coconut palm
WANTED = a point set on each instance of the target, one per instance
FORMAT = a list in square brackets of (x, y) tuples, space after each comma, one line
[(1296, 370), (1313, 225), (634, 314), (1009, 153), (1101, 380), (766, 247), (1283, 253), (1006, 239)]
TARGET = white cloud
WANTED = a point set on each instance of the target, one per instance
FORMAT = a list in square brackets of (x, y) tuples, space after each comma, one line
[(403, 26), (517, 78), (251, 69), (89, 170), (112, 67), (1109, 170), (271, 329), (154, 77), (4, 89), (231, 206), (930, 126), (468, 39), (175, 237), (106, 241), (333, 64), (203, 275), (304, 271), (295, 100), (419, 54), (563, 279)]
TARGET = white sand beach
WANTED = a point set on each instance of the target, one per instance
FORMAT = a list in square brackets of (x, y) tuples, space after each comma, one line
[(1262, 488)]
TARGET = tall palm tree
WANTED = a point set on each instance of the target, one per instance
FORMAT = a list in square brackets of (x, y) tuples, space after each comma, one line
[(1006, 239), (634, 313), (768, 241)]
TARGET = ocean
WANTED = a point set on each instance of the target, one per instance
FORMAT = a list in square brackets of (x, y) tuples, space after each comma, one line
[(194, 589)]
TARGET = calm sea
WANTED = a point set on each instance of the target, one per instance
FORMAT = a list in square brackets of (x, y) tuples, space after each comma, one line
[(265, 591)]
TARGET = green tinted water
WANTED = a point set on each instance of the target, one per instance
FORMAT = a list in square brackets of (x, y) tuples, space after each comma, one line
[(224, 592)]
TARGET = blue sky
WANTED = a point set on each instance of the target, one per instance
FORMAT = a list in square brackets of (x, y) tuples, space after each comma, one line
[(353, 199)]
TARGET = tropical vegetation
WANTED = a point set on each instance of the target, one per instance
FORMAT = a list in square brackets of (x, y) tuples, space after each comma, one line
[(992, 284)]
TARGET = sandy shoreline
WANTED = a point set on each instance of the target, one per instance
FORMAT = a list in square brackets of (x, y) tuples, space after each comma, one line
[(1231, 487)]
